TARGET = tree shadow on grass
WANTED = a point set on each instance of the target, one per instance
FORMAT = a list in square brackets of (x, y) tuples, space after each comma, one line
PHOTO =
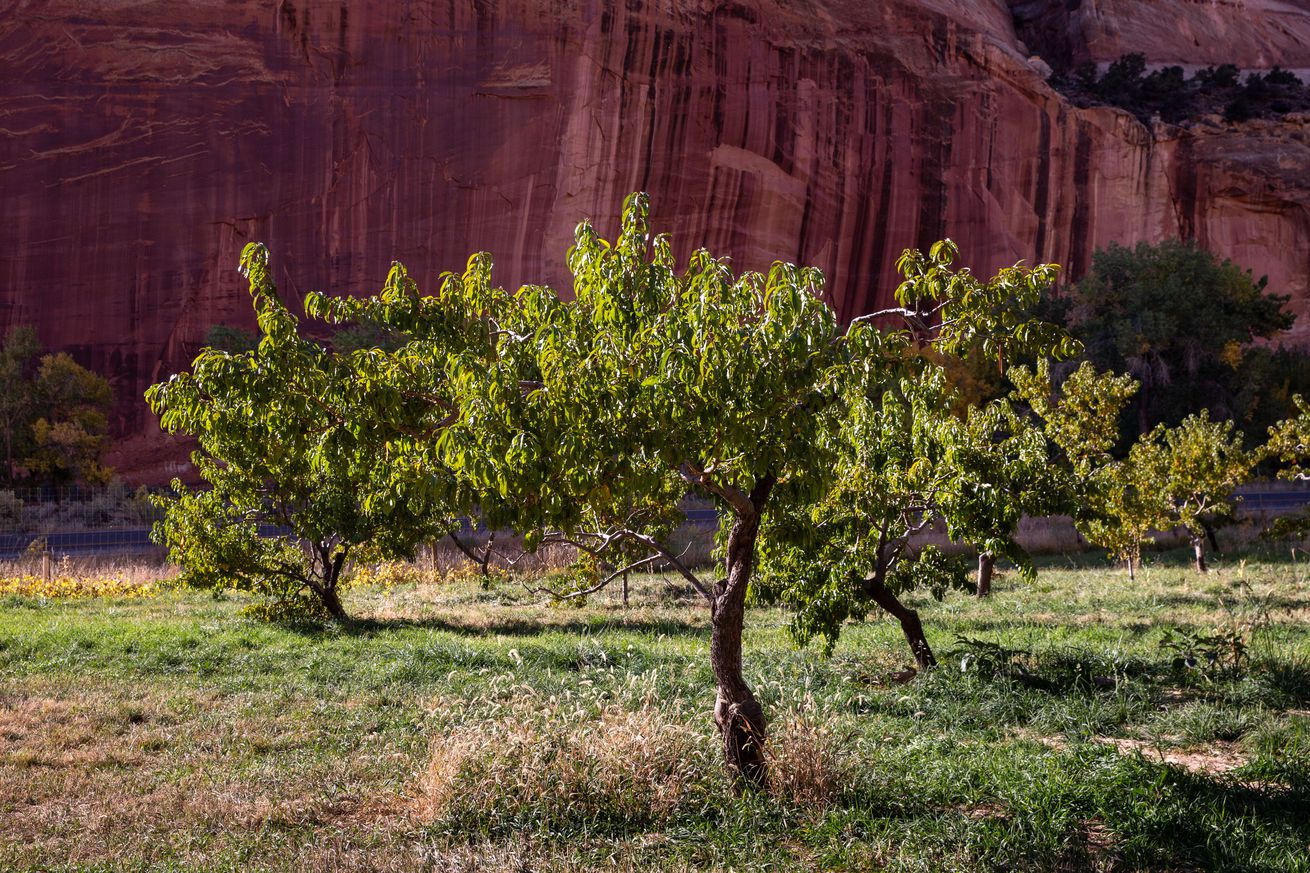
[(508, 626), (1190, 808), (1109, 811)]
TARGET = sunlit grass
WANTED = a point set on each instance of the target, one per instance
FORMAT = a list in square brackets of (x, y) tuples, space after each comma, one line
[(457, 726)]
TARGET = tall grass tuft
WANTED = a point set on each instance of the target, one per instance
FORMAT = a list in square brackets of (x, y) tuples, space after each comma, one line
[(622, 767)]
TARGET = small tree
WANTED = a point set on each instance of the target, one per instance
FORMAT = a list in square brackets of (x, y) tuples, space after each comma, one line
[(292, 452), (1114, 503), (1183, 476), (604, 410), (53, 413), (68, 440), (1130, 503), (1289, 443), (907, 458), (1206, 462)]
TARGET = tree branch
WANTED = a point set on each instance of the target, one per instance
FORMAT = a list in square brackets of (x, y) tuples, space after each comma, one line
[(594, 588)]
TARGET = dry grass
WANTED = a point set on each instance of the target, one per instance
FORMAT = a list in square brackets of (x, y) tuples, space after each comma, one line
[(91, 777), (633, 765), (84, 577), (808, 761), (639, 767)]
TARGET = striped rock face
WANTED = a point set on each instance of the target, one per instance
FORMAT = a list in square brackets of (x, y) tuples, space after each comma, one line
[(143, 144)]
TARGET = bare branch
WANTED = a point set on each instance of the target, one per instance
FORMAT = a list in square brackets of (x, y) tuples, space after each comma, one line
[(602, 542), (569, 595), (675, 562), (468, 553)]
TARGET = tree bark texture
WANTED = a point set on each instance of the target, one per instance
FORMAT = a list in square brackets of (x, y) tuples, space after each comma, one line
[(737, 714), (986, 564), (909, 619), (332, 603), (1198, 548), (327, 591)]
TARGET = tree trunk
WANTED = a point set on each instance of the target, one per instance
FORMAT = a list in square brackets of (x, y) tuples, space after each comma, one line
[(332, 603), (328, 592), (986, 563), (909, 619), (737, 713), (1210, 535), (1198, 548), (486, 556), (1132, 569), (625, 590)]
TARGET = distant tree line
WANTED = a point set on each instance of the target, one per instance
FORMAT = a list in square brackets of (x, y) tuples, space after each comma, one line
[(1196, 332), (1173, 96)]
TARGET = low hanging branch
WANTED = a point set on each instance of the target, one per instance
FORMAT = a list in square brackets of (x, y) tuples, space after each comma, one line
[(598, 544)]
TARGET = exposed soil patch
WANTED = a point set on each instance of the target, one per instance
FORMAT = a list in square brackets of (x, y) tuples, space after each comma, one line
[(1216, 760)]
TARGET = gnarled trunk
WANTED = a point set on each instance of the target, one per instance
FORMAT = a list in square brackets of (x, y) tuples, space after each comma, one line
[(482, 560), (880, 594), (1198, 548), (986, 563), (332, 603), (327, 591), (737, 713)]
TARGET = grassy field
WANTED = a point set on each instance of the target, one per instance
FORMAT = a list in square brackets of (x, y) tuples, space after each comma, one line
[(456, 728)]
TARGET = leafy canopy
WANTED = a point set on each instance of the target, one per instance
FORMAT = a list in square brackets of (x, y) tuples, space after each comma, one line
[(908, 456), (296, 451), (1184, 324)]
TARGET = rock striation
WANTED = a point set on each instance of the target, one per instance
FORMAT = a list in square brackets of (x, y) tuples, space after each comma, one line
[(143, 144)]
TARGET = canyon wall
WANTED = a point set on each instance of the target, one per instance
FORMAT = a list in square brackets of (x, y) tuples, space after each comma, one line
[(143, 144), (1253, 34)]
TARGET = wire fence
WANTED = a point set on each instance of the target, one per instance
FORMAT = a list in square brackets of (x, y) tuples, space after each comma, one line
[(115, 520), (76, 520)]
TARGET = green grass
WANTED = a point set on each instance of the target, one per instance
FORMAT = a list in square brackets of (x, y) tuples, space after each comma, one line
[(455, 728)]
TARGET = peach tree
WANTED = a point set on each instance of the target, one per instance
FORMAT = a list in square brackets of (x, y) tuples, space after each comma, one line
[(297, 445), (910, 457), (593, 416)]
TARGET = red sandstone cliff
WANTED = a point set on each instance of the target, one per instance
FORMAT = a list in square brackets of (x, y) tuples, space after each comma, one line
[(142, 144)]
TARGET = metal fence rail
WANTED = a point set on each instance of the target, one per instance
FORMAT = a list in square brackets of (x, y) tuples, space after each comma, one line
[(126, 536)]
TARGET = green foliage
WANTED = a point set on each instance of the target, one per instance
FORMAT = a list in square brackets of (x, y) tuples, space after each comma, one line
[(1206, 462), (1081, 418), (988, 660), (905, 460), (1289, 444), (1223, 650), (356, 337), (234, 340), (1182, 476), (53, 414), (219, 547), (588, 412), (1185, 326), (296, 449), (1128, 503)]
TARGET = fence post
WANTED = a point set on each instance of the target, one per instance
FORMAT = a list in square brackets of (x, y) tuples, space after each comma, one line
[(45, 565)]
